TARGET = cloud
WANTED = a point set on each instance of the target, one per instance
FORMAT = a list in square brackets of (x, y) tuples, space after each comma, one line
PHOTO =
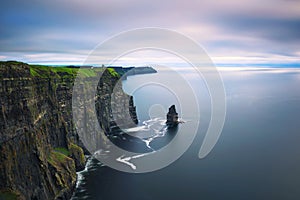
[(232, 28)]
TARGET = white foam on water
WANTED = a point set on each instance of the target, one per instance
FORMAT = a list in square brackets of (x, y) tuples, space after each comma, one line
[(81, 179), (136, 129), (149, 131), (126, 160)]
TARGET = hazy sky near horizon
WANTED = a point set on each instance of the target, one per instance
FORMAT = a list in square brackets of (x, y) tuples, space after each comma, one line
[(231, 31)]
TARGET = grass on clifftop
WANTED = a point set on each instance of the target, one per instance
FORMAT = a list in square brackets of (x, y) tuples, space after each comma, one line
[(113, 72), (67, 72), (43, 71)]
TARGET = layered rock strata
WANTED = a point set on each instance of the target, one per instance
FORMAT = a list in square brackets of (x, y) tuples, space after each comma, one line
[(40, 150)]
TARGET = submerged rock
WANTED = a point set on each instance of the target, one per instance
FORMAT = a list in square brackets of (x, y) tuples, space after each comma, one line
[(172, 117)]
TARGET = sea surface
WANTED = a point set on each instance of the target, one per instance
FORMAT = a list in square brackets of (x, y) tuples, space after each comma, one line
[(256, 157)]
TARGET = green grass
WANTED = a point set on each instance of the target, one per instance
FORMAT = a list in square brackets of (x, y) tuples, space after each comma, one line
[(46, 71), (64, 72), (113, 72), (62, 150), (43, 71), (34, 72), (55, 158), (12, 62), (88, 72)]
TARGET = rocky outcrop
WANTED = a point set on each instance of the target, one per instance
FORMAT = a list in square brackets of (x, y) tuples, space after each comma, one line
[(40, 150), (172, 117), (130, 71)]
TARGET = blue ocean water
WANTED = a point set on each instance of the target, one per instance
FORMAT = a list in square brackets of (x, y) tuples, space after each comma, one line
[(256, 157)]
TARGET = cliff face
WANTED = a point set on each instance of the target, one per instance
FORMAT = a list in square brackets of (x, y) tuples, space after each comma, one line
[(39, 147)]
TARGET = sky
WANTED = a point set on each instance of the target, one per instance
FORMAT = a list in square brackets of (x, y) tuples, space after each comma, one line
[(232, 32)]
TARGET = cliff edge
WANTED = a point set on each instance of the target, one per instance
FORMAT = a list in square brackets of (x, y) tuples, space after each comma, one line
[(40, 150)]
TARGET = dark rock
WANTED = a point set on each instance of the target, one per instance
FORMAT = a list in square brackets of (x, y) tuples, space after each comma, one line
[(35, 120), (172, 117), (131, 71)]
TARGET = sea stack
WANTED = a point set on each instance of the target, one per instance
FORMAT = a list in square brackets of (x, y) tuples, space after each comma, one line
[(172, 117)]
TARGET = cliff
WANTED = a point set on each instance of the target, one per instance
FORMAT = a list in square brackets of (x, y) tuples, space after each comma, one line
[(40, 150), (131, 71)]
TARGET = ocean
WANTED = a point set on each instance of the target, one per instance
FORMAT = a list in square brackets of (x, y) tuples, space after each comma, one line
[(257, 155)]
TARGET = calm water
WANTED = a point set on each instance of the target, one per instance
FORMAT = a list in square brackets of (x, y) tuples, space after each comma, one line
[(256, 157)]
